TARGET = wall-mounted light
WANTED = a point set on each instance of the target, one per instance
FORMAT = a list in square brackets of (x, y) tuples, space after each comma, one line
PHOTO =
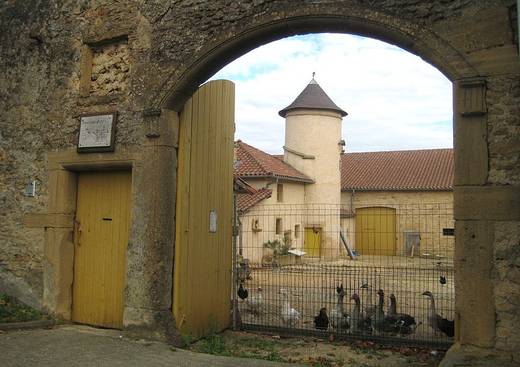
[(30, 189)]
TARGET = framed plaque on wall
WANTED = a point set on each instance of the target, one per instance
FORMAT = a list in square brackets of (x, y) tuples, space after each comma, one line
[(97, 132)]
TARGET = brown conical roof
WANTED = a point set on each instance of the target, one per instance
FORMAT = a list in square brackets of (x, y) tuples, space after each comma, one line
[(315, 98)]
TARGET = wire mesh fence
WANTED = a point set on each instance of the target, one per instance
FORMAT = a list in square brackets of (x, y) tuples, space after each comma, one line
[(378, 272)]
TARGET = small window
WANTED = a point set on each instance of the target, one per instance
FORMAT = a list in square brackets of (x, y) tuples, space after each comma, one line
[(297, 231), (278, 225), (287, 237), (279, 193), (255, 225)]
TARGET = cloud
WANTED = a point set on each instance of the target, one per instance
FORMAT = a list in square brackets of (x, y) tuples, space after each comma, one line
[(395, 100)]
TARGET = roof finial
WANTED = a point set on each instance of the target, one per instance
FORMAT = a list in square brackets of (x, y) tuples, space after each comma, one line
[(313, 81)]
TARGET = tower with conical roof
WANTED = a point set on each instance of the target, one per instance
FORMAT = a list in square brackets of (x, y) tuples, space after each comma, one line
[(313, 145), (313, 142)]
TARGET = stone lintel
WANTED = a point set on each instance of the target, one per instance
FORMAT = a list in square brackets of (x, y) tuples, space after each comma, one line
[(70, 159), (494, 203)]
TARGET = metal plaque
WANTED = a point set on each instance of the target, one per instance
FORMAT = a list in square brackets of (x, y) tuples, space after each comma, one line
[(213, 221), (97, 133)]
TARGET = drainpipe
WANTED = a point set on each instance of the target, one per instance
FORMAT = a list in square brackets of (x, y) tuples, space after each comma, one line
[(234, 260), (352, 197)]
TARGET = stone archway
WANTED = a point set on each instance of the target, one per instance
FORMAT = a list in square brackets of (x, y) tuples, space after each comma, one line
[(476, 320)]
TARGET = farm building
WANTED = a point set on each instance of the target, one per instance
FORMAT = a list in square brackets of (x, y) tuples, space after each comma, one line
[(312, 196)]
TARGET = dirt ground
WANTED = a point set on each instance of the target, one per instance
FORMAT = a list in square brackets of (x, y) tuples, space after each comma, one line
[(313, 286), (315, 352)]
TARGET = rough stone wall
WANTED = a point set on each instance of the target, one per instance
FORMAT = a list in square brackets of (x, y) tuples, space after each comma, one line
[(507, 280), (503, 97), (173, 46), (110, 69), (41, 45)]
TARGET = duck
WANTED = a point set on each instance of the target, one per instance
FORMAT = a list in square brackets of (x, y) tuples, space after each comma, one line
[(321, 322), (404, 323), (288, 314), (436, 321), (256, 302), (339, 319), (358, 323), (242, 293)]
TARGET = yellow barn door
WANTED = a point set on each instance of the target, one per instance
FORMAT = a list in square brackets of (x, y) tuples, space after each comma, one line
[(101, 237), (312, 244), (375, 231), (202, 272)]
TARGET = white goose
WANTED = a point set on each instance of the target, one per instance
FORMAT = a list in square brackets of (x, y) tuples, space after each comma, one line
[(256, 302), (289, 315)]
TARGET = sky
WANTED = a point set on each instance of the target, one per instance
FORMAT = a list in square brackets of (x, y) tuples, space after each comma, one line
[(394, 99)]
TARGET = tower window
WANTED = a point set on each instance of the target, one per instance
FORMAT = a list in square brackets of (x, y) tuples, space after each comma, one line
[(297, 231), (278, 225)]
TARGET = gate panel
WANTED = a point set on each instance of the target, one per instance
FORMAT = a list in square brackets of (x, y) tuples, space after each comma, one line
[(101, 237), (202, 273)]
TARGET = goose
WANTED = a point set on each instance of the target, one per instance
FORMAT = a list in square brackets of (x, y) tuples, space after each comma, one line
[(357, 322), (380, 321), (436, 321), (289, 315), (256, 302), (404, 323), (339, 319)]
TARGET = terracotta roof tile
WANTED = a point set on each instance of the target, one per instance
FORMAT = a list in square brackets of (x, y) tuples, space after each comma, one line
[(252, 162), (246, 201), (406, 170)]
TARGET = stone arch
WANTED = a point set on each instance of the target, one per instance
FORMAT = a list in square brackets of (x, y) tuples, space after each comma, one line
[(182, 82), (228, 42)]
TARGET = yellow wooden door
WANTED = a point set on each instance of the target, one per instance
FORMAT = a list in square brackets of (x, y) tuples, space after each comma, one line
[(101, 237), (375, 231), (312, 244), (202, 269)]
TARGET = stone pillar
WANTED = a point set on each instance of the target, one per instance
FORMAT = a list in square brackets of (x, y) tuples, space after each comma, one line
[(480, 208), (474, 237), (148, 296)]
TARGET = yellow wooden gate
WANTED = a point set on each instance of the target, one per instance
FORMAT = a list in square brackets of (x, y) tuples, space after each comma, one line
[(101, 237), (312, 244), (375, 231), (203, 241)]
